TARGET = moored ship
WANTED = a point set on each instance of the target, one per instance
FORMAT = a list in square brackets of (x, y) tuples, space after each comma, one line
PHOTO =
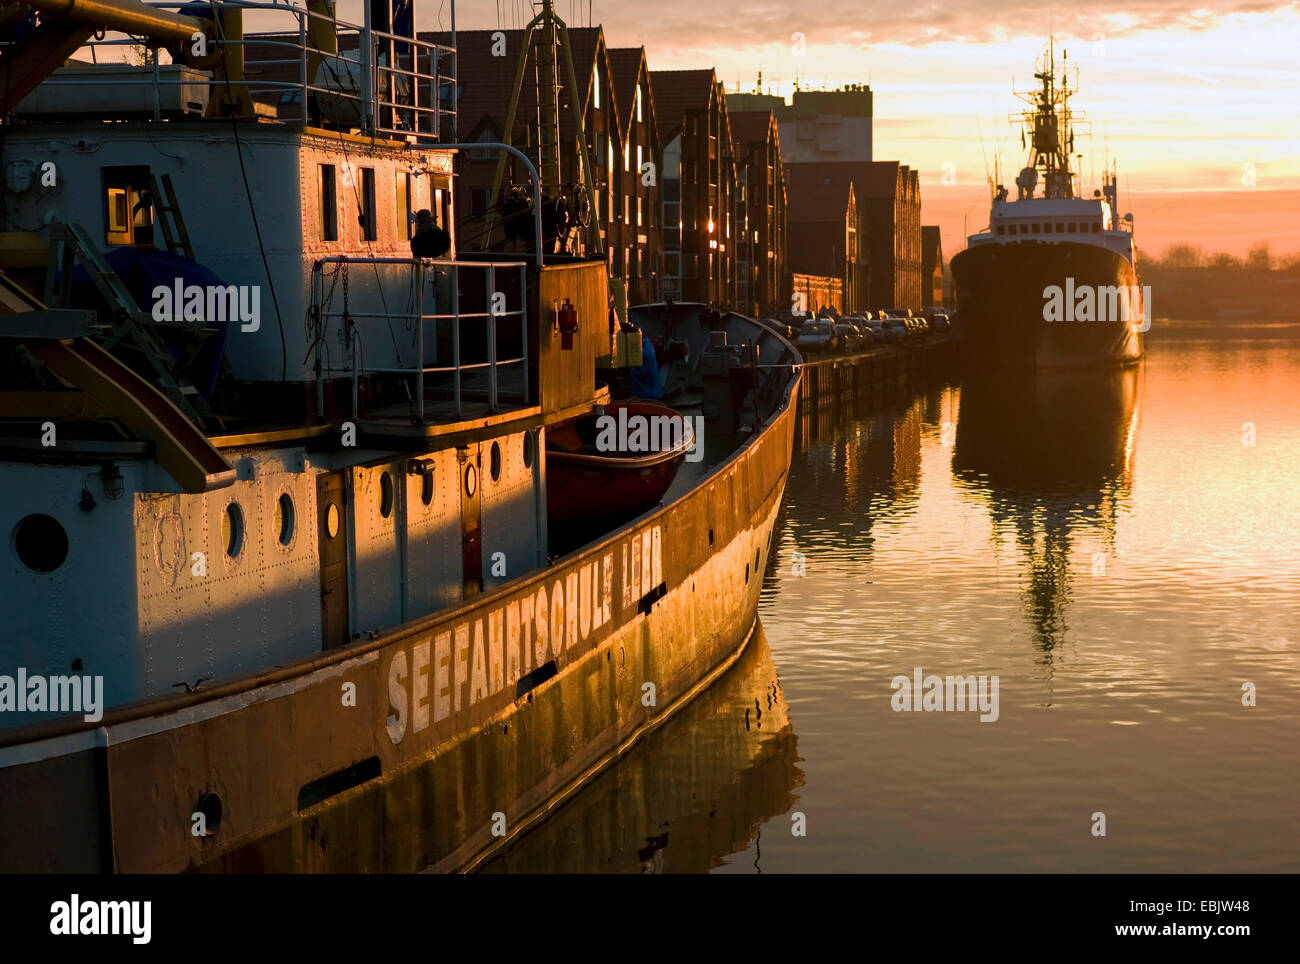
[(300, 544), (1052, 282)]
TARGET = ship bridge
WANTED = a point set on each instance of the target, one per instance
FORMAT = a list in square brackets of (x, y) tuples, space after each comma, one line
[(1048, 220)]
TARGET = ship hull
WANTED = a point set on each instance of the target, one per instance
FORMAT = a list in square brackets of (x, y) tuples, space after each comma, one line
[(441, 740), (1004, 310)]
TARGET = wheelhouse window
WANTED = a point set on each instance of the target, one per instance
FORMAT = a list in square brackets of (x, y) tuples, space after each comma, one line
[(1073, 227), (1060, 227), (369, 227), (443, 209), (328, 197), (1001, 229), (402, 185), (128, 205), (1095, 227)]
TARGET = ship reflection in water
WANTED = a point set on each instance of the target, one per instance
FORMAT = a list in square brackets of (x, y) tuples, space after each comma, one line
[(1053, 455), (688, 796), (1115, 550)]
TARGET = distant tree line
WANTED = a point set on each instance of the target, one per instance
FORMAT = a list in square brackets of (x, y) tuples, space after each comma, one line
[(1186, 282)]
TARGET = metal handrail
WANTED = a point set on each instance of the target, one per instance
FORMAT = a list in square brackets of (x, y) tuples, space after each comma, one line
[(372, 95), (420, 317)]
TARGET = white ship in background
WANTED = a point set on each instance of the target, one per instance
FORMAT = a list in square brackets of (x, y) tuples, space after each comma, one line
[(1052, 282)]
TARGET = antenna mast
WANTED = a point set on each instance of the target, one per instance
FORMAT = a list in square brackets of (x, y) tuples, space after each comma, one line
[(1051, 125)]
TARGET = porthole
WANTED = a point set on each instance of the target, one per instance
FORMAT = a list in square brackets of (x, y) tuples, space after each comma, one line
[(332, 521), (471, 480), (232, 529), (41, 542), (494, 464), (426, 487), (210, 806), (284, 519), (530, 440), (385, 495)]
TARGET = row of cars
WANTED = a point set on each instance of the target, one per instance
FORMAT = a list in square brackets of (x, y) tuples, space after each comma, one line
[(830, 333)]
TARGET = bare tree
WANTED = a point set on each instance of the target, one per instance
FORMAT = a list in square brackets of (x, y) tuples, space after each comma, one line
[(1258, 258), (1183, 256)]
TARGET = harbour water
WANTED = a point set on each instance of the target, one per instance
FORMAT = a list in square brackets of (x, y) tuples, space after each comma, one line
[(1122, 552)]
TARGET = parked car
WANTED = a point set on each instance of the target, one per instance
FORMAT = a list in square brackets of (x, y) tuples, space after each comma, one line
[(882, 333), (786, 322), (818, 337), (851, 336), (868, 336), (938, 318), (901, 327)]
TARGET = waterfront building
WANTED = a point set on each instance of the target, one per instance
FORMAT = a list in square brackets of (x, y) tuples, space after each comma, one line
[(699, 183)]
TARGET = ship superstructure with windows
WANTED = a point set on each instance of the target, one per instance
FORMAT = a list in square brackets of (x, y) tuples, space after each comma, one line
[(1052, 282)]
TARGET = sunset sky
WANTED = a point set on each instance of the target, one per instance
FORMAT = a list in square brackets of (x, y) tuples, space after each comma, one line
[(1201, 108)]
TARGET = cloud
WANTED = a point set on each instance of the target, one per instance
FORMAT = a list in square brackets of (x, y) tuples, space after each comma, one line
[(669, 28)]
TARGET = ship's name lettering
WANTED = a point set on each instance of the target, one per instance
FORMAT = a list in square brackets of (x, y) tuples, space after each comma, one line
[(445, 672)]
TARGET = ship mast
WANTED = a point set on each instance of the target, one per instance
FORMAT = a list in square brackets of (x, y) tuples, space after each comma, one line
[(1050, 123), (568, 208)]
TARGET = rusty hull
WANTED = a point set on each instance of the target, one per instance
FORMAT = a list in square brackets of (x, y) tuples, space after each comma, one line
[(305, 759)]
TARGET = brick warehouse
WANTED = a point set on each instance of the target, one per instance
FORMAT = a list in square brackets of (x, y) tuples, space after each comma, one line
[(888, 201), (642, 185), (484, 99), (699, 178), (824, 236), (760, 213)]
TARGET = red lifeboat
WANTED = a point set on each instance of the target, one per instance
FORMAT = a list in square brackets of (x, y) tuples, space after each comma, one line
[(607, 467)]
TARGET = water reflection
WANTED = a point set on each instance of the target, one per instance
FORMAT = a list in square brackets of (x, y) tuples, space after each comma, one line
[(1051, 455), (687, 796), (859, 464)]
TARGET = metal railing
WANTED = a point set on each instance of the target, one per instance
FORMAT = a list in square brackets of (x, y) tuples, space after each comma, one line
[(378, 82), (500, 302)]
